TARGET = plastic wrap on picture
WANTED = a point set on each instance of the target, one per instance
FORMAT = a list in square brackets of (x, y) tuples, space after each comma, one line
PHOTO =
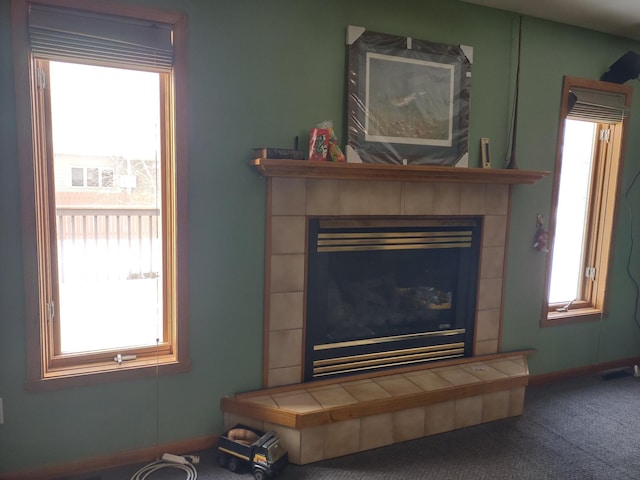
[(408, 100)]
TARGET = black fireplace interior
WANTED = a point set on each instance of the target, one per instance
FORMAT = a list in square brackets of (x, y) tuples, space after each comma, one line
[(384, 293)]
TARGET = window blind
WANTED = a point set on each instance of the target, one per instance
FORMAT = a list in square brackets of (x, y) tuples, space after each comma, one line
[(76, 36), (596, 106)]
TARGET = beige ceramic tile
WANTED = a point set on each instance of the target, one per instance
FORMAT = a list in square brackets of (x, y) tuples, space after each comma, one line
[(287, 393), (417, 198), (497, 199), (297, 402), (288, 196), (495, 406), (265, 400), (428, 381), (446, 199), (323, 197), (355, 197), (456, 375), (408, 424), (509, 366), (398, 385), (516, 401), (492, 262), (342, 438), (495, 230), (468, 411), (288, 234), (472, 199), (285, 348), (290, 439), (439, 417), (277, 377), (332, 396), (286, 311), (386, 198), (365, 390), (484, 371), (488, 324), (485, 347), (287, 273), (489, 293), (376, 431), (312, 444)]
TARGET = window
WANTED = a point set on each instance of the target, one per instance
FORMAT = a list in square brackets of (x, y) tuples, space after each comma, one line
[(102, 86), (594, 117), (96, 177)]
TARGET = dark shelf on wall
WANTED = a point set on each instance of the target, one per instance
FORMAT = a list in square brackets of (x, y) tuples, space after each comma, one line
[(389, 172)]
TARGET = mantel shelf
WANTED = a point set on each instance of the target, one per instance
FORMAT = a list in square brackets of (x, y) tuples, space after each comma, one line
[(387, 172)]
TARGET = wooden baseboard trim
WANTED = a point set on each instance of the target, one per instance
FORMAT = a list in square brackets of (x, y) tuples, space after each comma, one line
[(584, 371), (142, 455)]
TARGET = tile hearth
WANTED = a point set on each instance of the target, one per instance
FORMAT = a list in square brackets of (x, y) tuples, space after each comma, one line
[(323, 420)]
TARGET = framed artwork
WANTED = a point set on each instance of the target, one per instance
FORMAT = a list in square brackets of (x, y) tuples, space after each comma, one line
[(408, 99)]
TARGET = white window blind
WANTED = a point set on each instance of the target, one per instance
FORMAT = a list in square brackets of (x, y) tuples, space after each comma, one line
[(596, 106), (84, 37)]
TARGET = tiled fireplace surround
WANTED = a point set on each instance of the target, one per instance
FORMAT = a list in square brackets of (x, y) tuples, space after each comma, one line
[(292, 200), (337, 417)]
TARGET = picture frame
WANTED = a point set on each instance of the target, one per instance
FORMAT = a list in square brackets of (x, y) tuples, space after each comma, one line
[(408, 100)]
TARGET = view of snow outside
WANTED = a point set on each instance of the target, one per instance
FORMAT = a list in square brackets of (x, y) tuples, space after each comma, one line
[(575, 179), (110, 273)]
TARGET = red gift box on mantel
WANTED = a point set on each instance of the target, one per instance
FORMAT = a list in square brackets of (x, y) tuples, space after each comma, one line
[(319, 144)]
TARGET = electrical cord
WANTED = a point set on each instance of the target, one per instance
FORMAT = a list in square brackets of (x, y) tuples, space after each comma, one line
[(186, 466), (635, 282)]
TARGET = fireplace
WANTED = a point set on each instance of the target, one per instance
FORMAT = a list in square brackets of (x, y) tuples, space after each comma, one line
[(316, 205), (293, 202), (388, 292)]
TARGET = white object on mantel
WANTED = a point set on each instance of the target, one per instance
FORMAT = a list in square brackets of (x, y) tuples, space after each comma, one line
[(352, 155), (464, 161)]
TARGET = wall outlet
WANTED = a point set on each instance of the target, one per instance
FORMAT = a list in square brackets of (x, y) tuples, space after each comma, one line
[(1, 412)]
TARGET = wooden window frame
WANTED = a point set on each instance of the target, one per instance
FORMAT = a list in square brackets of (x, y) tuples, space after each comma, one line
[(47, 368), (603, 200)]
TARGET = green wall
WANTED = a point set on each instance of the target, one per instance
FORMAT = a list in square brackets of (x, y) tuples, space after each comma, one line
[(261, 73)]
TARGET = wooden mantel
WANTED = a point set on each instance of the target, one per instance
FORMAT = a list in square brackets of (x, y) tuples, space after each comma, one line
[(389, 172)]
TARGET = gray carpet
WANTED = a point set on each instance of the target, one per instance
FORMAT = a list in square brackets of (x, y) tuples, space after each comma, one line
[(584, 429)]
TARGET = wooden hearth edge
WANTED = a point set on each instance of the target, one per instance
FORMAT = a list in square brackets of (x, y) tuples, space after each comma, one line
[(299, 420), (243, 406)]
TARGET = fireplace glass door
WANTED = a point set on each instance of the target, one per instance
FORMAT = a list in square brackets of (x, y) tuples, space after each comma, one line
[(386, 293)]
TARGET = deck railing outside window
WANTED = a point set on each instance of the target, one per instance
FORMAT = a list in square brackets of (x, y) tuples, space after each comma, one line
[(119, 243)]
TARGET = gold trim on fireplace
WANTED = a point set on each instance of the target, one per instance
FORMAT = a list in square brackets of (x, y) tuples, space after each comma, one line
[(386, 354), (340, 242), (393, 338), (411, 222), (395, 358), (383, 362)]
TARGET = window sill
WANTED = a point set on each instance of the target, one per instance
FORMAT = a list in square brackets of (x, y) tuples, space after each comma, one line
[(107, 373), (577, 315)]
